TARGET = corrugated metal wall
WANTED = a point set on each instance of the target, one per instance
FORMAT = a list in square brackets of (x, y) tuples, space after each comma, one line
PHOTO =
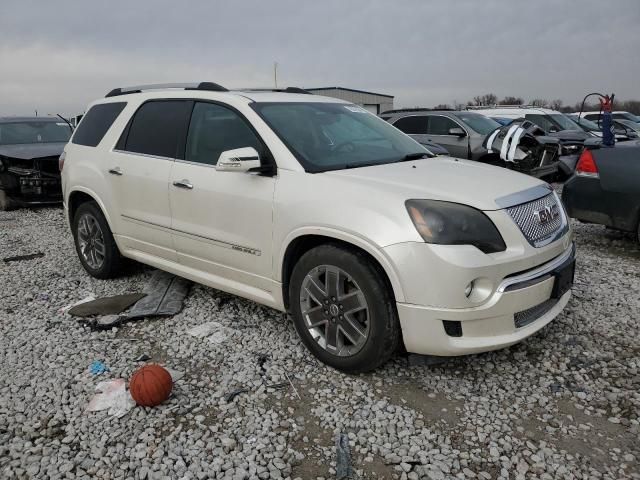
[(359, 98)]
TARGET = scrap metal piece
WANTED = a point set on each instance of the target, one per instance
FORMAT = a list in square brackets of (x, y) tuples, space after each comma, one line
[(106, 305), (20, 258), (343, 460), (165, 294), (229, 397)]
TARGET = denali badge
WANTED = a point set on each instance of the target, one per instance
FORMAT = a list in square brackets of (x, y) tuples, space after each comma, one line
[(546, 214)]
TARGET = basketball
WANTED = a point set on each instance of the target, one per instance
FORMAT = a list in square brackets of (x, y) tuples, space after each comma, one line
[(150, 385)]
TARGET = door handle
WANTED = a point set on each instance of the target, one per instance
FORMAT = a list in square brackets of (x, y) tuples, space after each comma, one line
[(183, 184), (115, 171)]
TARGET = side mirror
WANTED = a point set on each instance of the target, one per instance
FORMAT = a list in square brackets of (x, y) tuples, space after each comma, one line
[(238, 160), (458, 132), (553, 129)]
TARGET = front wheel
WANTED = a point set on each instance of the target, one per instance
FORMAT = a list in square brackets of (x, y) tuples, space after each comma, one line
[(95, 245), (343, 309)]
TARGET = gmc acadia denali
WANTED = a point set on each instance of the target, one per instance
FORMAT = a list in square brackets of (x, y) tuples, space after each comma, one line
[(314, 206)]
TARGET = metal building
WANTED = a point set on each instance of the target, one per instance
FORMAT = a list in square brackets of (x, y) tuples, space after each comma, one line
[(374, 102)]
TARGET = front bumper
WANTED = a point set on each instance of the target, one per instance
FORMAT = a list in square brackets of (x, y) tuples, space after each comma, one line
[(513, 307)]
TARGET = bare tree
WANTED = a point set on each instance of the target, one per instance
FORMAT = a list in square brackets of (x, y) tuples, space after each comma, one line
[(556, 104), (539, 102), (486, 99), (511, 101), (459, 106), (442, 106)]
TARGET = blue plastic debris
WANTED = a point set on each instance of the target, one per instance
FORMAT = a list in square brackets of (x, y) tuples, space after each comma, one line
[(97, 368)]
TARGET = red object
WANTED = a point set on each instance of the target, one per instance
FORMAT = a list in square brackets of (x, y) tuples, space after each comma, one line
[(150, 385), (606, 103), (586, 164)]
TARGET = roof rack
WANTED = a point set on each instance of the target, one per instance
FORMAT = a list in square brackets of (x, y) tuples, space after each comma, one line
[(284, 90), (418, 109), (482, 107), (207, 86)]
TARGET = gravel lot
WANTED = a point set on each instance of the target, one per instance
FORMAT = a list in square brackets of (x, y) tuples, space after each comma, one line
[(564, 404)]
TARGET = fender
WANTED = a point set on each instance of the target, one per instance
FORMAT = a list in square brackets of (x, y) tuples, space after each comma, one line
[(96, 198), (355, 240)]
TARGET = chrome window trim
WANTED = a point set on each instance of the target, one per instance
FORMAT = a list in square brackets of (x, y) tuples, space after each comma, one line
[(147, 155), (537, 272)]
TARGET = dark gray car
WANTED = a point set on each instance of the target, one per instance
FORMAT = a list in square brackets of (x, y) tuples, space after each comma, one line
[(29, 151), (460, 132)]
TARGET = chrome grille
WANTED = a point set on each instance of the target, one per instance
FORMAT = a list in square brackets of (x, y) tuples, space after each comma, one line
[(539, 234), (530, 315)]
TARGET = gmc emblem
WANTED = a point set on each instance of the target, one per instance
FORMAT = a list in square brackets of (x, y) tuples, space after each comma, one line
[(546, 214)]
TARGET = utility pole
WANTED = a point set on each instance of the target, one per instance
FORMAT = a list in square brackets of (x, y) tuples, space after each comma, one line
[(275, 74)]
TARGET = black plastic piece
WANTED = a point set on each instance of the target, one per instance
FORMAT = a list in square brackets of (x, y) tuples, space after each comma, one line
[(453, 328), (118, 91), (297, 90), (210, 86)]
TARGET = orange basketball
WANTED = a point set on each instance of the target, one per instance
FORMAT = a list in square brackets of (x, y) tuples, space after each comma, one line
[(150, 385)]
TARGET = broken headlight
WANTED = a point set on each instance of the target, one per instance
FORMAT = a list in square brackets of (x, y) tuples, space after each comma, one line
[(447, 223)]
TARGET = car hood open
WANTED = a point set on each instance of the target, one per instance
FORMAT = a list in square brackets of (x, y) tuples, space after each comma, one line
[(29, 151), (444, 178)]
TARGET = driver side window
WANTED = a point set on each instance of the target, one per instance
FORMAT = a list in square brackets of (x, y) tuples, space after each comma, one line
[(215, 129)]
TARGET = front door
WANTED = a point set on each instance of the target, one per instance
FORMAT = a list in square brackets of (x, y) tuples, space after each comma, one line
[(139, 171), (222, 221), (438, 132)]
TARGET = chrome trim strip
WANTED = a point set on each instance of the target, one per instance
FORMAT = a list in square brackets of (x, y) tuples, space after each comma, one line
[(147, 155), (525, 196), (219, 243), (537, 272)]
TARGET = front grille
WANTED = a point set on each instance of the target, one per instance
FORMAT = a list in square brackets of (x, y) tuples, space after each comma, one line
[(537, 233), (530, 315)]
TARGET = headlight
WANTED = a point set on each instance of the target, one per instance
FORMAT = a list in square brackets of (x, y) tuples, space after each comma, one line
[(2, 166), (447, 223)]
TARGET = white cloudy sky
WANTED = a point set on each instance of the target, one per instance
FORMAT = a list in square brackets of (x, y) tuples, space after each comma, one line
[(57, 56)]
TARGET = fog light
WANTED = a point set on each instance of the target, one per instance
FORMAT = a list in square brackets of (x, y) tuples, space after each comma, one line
[(469, 289)]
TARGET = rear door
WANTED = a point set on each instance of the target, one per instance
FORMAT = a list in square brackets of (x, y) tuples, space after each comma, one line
[(222, 221), (140, 167), (415, 126)]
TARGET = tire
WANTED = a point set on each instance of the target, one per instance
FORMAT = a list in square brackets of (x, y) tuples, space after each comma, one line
[(102, 258), (5, 202), (369, 334)]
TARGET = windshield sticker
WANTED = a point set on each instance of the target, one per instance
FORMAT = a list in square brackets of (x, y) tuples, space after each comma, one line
[(355, 109)]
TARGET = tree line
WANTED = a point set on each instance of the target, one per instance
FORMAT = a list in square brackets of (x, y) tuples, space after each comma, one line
[(490, 99)]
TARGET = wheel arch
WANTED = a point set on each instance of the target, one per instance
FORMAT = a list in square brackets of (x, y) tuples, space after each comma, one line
[(300, 242), (81, 195)]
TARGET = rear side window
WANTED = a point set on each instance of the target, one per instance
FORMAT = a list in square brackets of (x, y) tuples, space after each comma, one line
[(96, 122), (157, 128), (412, 125)]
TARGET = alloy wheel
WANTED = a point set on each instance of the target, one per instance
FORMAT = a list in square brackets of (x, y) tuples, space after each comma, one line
[(335, 310), (91, 241)]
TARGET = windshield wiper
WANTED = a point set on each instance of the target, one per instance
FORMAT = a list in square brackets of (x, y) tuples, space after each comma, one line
[(415, 156)]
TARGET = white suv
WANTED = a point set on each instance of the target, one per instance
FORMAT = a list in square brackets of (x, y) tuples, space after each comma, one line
[(315, 206)]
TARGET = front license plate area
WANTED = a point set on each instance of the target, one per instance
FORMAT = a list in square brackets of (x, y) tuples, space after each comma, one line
[(563, 276)]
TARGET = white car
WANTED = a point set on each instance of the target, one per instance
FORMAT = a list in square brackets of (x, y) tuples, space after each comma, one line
[(315, 206)]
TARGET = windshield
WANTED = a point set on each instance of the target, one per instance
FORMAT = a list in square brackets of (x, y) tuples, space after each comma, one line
[(481, 124), (626, 116), (331, 136), (629, 124), (564, 122), (588, 125), (34, 132)]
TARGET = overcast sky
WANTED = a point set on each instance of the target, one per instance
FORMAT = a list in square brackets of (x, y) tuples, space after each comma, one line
[(57, 56)]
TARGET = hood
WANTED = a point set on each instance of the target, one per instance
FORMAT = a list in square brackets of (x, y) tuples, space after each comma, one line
[(29, 151), (443, 178)]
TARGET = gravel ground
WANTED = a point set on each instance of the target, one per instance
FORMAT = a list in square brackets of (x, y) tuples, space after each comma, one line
[(563, 404)]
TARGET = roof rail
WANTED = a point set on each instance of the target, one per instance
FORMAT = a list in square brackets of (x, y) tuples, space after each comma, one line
[(284, 90), (207, 86), (482, 107)]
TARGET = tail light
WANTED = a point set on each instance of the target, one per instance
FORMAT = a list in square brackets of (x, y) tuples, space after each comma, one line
[(587, 165), (61, 161)]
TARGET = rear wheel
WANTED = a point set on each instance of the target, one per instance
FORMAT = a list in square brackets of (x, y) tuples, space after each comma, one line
[(95, 245), (343, 309)]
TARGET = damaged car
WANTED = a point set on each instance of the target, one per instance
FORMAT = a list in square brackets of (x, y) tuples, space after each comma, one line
[(525, 147), (30, 148)]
